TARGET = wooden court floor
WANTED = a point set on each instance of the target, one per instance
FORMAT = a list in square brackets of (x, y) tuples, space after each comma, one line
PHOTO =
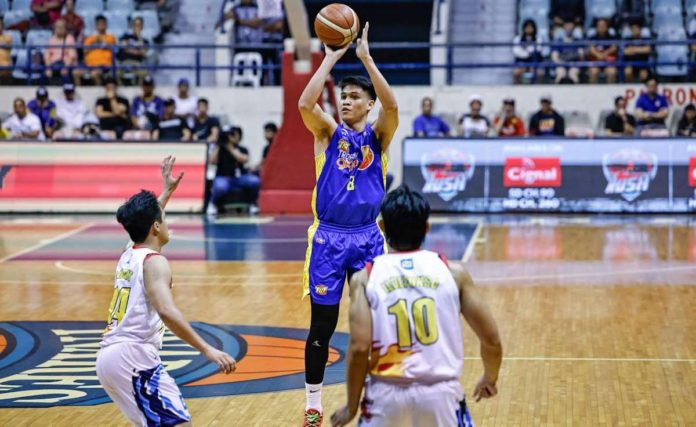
[(597, 314)]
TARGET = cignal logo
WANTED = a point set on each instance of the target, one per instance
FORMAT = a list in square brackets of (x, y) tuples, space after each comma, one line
[(692, 172), (532, 172), (629, 172), (446, 172)]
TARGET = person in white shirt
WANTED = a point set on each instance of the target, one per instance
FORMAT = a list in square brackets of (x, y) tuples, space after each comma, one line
[(71, 110), (473, 124), (186, 105), (23, 124)]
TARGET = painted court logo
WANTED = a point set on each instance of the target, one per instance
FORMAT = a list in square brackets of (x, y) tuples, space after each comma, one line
[(45, 364), (446, 172), (629, 172)]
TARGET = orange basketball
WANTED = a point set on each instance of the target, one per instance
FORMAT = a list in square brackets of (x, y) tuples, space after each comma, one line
[(336, 25)]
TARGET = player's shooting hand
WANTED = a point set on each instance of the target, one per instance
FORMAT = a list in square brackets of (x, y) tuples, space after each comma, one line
[(336, 53), (485, 389), (226, 362), (362, 51), (168, 181), (342, 417)]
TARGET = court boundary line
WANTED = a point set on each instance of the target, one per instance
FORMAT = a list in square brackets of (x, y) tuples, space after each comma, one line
[(475, 240), (589, 359), (47, 242), (587, 274)]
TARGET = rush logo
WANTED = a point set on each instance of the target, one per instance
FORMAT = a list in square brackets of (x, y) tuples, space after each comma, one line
[(692, 172), (532, 172)]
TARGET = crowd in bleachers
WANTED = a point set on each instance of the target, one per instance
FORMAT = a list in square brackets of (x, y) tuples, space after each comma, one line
[(78, 41), (652, 117), (623, 37)]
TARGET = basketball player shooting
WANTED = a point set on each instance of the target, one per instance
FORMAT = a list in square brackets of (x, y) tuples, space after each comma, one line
[(404, 310), (351, 168), (128, 363)]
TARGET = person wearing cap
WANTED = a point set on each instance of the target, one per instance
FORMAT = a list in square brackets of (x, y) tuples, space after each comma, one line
[(473, 124), (112, 110), (70, 110), (5, 54), (687, 124), (546, 121), (45, 110), (428, 124), (133, 52), (98, 54), (185, 103), (171, 127), (507, 123), (147, 108), (23, 124), (61, 56)]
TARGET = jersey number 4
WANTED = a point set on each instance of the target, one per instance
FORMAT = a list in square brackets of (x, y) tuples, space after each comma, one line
[(119, 302), (422, 317)]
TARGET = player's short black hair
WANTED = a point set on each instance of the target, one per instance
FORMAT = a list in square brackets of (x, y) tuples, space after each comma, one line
[(138, 214), (203, 100), (270, 126), (618, 99), (405, 214), (360, 81)]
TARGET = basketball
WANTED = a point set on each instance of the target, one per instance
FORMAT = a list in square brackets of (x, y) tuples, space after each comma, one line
[(336, 25)]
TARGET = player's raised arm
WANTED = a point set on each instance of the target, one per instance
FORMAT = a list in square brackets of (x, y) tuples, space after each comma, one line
[(388, 118), (357, 357), (321, 124), (158, 279), (169, 183), (479, 317)]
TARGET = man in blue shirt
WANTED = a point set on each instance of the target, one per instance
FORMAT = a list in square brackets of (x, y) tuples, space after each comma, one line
[(651, 108), (428, 125), (147, 109), (45, 110)]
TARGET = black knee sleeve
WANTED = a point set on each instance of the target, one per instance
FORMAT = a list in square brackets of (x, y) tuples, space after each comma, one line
[(321, 328)]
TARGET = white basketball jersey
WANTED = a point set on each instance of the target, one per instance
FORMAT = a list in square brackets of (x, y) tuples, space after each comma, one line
[(131, 316), (416, 330)]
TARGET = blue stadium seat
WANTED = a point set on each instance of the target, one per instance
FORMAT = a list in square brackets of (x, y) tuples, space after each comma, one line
[(151, 24), (120, 5), (88, 18), (88, 6), (673, 53), (658, 5), (13, 17), (598, 9), (666, 19), (689, 8), (21, 5), (38, 37), (4, 6), (118, 22), (543, 4), (21, 63)]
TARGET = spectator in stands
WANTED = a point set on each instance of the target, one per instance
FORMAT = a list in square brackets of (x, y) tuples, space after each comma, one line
[(273, 25), (171, 127), (232, 175), (619, 122), (5, 54), (112, 110), (563, 11), (133, 51), (632, 10), (546, 121), (687, 124), (637, 49), (270, 130), (427, 124), (651, 107), (73, 22), (98, 53), (148, 108), (529, 50), (61, 57), (600, 52), (564, 54), (248, 27), (205, 128), (46, 12), (473, 124), (23, 124), (70, 110), (185, 103), (45, 110), (507, 123)]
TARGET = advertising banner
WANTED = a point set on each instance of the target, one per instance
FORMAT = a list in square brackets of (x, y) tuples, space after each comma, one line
[(94, 176), (547, 175)]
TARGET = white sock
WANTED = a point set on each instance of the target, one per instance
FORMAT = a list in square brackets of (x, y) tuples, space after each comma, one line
[(313, 392)]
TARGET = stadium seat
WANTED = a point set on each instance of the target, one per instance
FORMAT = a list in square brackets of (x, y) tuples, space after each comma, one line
[(83, 7), (578, 124), (24, 5), (675, 114), (151, 24), (451, 120), (108, 135), (137, 135), (658, 5), (4, 6), (673, 53), (88, 18), (38, 38), (247, 76), (13, 17), (689, 7), (598, 9), (21, 64), (118, 23), (666, 19), (120, 5), (600, 123), (539, 15)]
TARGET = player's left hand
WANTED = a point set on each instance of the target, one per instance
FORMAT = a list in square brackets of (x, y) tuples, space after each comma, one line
[(362, 50), (342, 417), (168, 181), (485, 389)]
